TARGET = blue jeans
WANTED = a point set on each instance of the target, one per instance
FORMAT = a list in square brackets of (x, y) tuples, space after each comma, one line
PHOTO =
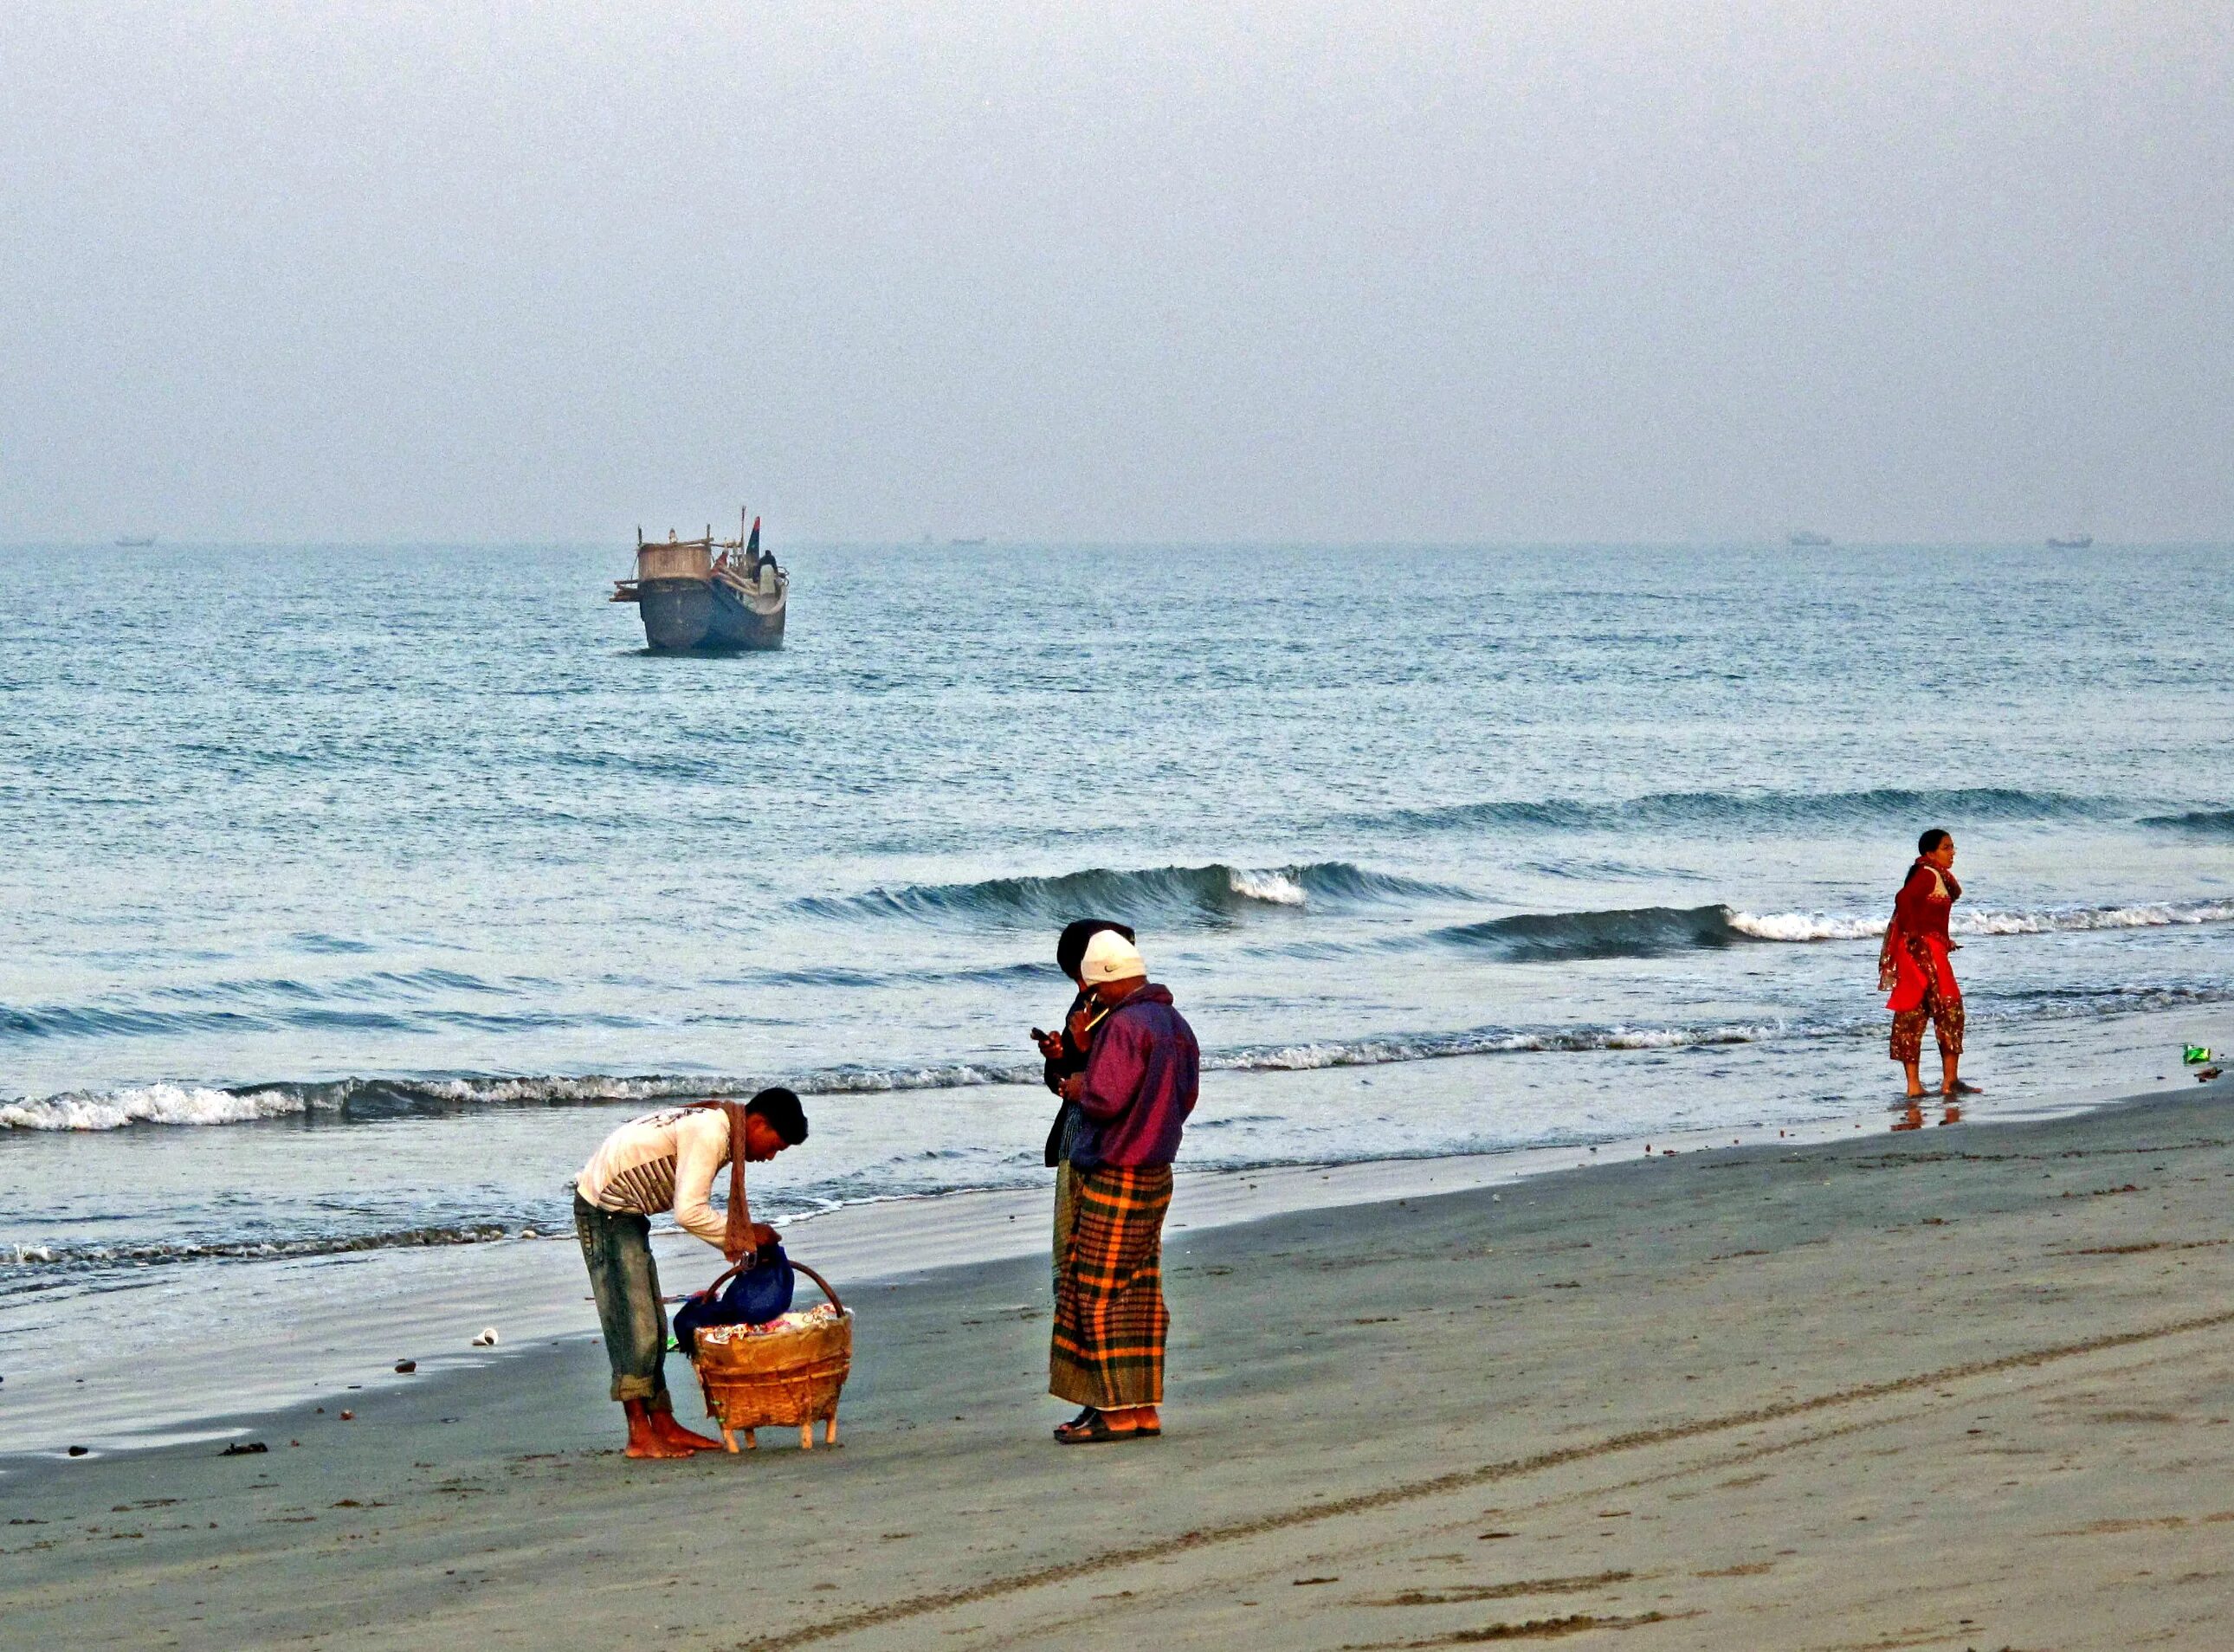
[(617, 1245)]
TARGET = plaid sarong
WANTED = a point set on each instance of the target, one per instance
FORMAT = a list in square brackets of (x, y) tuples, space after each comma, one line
[(1110, 1322)]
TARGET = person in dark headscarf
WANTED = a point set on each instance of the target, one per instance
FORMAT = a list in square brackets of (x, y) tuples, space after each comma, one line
[(1065, 1051)]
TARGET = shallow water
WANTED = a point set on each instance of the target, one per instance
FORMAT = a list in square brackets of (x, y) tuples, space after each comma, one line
[(404, 873)]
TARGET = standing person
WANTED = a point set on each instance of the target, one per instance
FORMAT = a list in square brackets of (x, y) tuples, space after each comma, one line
[(1106, 1352), (1913, 965), (1065, 1050), (666, 1161)]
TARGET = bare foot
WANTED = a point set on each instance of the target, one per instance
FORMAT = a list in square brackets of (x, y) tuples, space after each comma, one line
[(664, 1427), (656, 1433), (653, 1446)]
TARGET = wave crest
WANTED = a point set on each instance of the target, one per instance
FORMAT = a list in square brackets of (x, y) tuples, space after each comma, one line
[(1655, 931), (1632, 932), (2054, 920), (1214, 893), (1762, 809), (2207, 823), (70, 1257), (370, 1098), (176, 1104), (1487, 1041)]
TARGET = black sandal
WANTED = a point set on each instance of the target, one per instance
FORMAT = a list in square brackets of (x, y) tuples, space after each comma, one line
[(1085, 1415), (1093, 1432)]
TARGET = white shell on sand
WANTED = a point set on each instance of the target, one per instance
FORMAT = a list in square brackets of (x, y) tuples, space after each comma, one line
[(487, 1339)]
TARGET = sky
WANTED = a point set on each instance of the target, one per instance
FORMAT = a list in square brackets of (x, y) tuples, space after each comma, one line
[(1292, 271)]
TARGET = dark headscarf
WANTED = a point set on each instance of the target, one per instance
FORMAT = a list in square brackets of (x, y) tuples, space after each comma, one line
[(1070, 946)]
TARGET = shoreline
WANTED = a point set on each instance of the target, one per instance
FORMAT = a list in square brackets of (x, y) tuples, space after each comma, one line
[(427, 1304), (1943, 1388)]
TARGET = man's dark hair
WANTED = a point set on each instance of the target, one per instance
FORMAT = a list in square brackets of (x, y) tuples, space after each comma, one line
[(784, 1115), (1070, 947), (1930, 841)]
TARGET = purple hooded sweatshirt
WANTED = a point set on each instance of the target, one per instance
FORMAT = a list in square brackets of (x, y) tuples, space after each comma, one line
[(1142, 1076)]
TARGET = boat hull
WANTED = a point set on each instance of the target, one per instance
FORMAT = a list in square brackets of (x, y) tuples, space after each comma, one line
[(706, 617)]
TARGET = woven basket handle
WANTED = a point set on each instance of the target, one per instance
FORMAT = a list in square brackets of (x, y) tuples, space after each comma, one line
[(736, 1268), (801, 1267)]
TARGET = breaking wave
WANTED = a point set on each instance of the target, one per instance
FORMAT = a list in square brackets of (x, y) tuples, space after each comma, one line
[(1635, 933), (1213, 894), (2202, 823), (1749, 810), (2053, 920), (1655, 931), (366, 1099), (74, 1257), (360, 1100), (177, 1104), (1487, 1040)]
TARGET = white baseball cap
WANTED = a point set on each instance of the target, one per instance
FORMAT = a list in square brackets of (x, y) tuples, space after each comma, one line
[(1110, 956)]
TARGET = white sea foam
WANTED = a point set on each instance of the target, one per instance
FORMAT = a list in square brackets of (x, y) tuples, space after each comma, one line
[(178, 1104), (1274, 886), (594, 1088), (1805, 926), (1383, 1052), (1852, 926), (2157, 915)]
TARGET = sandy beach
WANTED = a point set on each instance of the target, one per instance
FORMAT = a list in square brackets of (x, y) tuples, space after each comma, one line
[(1515, 621), (1964, 1388)]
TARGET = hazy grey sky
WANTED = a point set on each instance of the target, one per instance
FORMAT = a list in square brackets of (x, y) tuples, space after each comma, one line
[(1382, 271)]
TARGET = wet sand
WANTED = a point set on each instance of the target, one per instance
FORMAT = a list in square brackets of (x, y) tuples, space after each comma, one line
[(1962, 1388)]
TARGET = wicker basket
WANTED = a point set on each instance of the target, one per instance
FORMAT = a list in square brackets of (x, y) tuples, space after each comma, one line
[(778, 1378)]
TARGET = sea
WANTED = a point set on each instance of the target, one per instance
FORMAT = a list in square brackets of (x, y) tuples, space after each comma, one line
[(352, 893)]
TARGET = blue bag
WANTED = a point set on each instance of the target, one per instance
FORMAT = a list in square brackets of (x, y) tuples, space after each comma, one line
[(753, 1296)]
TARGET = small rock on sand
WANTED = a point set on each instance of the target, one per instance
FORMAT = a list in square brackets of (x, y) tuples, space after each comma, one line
[(244, 1449), (407, 1367)]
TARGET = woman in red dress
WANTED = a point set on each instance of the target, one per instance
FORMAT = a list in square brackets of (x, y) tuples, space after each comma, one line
[(1913, 966)]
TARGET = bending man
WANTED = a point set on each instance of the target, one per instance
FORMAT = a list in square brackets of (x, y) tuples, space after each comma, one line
[(667, 1161)]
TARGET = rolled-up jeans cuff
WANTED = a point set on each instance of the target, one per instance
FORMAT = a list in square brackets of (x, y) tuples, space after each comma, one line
[(624, 1279), (650, 1390)]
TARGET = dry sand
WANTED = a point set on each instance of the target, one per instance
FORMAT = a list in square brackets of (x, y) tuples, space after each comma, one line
[(1966, 1388)]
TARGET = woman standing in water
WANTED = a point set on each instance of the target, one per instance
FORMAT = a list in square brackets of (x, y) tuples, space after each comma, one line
[(1913, 966)]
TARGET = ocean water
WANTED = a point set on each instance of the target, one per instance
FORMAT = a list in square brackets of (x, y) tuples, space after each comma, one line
[(352, 894)]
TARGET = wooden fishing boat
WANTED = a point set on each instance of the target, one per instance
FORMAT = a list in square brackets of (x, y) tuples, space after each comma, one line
[(708, 595)]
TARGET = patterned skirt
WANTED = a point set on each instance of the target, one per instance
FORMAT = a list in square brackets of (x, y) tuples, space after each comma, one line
[(1110, 1322), (1945, 1015), (1941, 1003)]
